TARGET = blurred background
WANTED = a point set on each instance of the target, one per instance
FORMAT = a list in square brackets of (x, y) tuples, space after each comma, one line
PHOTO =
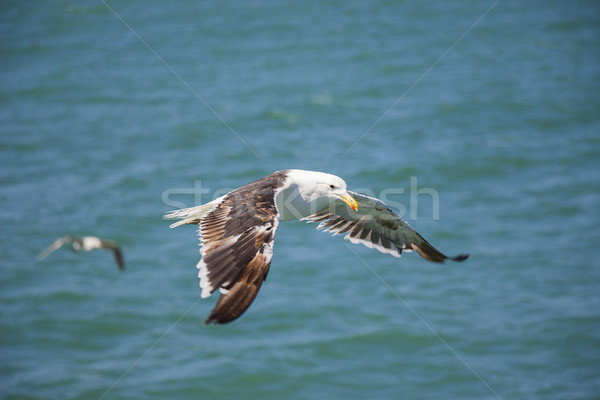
[(113, 112)]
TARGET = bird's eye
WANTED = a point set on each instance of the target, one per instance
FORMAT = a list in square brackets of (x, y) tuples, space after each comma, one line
[(331, 186)]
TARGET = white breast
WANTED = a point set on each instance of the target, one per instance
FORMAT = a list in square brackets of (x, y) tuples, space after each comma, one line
[(293, 204), (91, 242)]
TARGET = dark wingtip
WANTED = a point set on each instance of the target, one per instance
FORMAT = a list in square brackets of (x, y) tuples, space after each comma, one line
[(213, 320), (220, 315), (460, 257)]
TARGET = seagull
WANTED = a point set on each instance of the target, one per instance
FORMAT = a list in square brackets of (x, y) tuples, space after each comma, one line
[(85, 243), (237, 231)]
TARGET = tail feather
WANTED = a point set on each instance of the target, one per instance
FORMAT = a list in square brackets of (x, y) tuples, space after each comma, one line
[(191, 215)]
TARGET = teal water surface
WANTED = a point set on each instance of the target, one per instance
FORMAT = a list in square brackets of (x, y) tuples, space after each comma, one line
[(478, 121)]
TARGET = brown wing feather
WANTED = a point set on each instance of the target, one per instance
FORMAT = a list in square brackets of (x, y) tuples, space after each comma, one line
[(237, 300), (237, 246)]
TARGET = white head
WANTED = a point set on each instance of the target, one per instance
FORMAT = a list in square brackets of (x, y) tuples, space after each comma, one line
[(321, 187)]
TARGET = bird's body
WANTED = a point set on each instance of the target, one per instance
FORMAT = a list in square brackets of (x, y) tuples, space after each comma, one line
[(86, 243), (237, 230)]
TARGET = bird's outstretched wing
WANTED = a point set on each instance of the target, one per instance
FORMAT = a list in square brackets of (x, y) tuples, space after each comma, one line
[(376, 226), (58, 243), (237, 234), (116, 250)]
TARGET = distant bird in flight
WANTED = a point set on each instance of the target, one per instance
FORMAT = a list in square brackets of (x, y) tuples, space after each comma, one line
[(237, 231), (86, 243)]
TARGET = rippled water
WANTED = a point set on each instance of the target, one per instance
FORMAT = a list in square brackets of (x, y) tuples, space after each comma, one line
[(483, 131)]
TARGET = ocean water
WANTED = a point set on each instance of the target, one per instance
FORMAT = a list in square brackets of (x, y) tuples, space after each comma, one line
[(478, 121)]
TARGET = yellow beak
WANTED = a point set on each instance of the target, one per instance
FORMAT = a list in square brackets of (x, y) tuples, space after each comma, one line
[(346, 198)]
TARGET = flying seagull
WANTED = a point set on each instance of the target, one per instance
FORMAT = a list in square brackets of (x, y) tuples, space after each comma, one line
[(237, 231), (86, 243)]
